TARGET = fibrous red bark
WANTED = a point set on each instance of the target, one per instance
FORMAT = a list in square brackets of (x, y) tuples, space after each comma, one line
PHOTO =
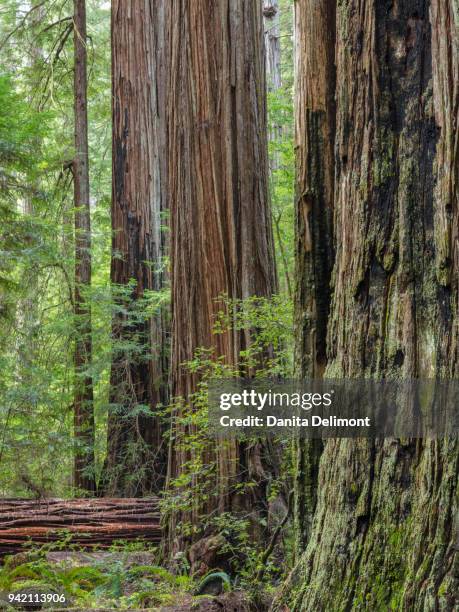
[(136, 460), (221, 235)]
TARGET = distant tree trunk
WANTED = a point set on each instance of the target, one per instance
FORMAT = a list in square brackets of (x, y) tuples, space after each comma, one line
[(136, 460), (27, 313), (385, 530), (221, 231), (271, 17), (314, 149), (271, 20), (83, 389)]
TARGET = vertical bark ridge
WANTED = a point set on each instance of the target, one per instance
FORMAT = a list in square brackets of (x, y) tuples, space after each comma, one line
[(314, 141)]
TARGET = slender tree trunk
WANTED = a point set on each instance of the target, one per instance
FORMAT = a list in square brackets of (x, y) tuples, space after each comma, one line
[(314, 146), (136, 461), (84, 477), (283, 255), (27, 314), (271, 18), (271, 21), (221, 229), (385, 530)]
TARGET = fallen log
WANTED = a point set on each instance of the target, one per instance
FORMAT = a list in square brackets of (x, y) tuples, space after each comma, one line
[(91, 523)]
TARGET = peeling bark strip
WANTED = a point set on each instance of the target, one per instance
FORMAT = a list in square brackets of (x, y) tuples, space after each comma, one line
[(218, 184), (84, 477), (385, 533), (445, 66), (135, 444)]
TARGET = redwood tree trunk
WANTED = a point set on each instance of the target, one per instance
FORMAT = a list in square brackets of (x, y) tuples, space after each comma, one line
[(221, 230), (385, 529), (84, 477), (136, 460)]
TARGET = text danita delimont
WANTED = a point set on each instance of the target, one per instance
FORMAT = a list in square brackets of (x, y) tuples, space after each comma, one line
[(254, 400)]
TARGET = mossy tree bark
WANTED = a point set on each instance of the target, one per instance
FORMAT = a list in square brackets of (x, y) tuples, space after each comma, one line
[(137, 453), (384, 534), (221, 234)]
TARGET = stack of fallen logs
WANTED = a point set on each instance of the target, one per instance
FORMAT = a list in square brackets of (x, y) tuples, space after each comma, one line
[(89, 523)]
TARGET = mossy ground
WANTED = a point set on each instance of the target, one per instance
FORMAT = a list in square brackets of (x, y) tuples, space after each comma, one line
[(102, 581)]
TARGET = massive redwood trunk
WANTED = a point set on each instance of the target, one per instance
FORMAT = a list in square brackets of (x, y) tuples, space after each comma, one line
[(221, 231), (84, 476), (385, 529), (136, 449)]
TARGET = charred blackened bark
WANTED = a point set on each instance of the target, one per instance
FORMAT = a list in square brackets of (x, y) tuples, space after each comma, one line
[(314, 145), (385, 529), (136, 460), (221, 230), (84, 477), (314, 151)]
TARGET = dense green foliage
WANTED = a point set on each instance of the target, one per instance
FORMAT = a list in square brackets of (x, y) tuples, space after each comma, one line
[(126, 576), (37, 324)]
